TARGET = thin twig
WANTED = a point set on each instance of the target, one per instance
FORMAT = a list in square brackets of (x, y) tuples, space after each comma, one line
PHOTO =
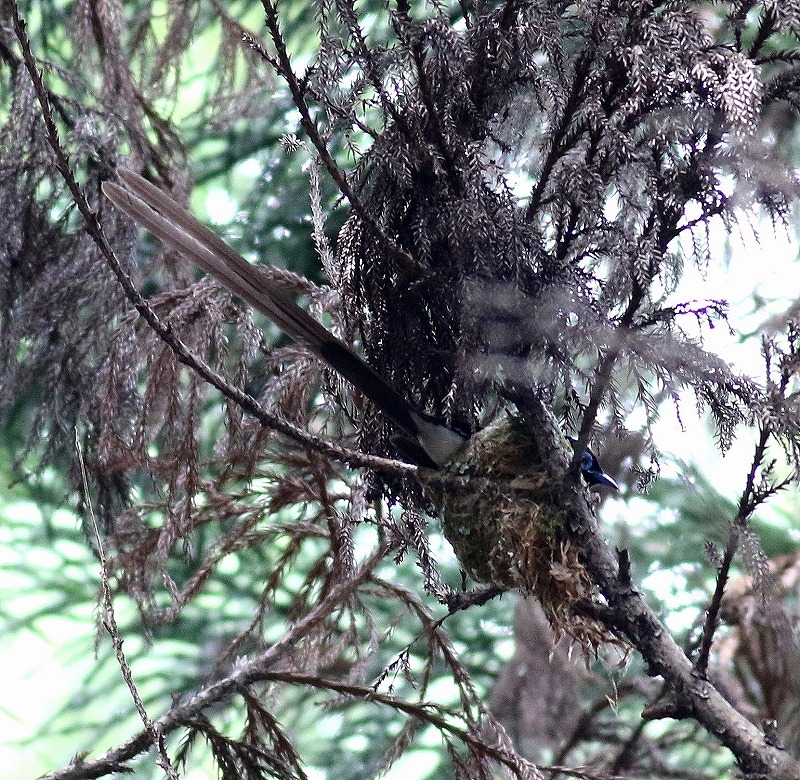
[(184, 355), (426, 93), (368, 61), (423, 711), (580, 731), (602, 381), (561, 140), (245, 674), (747, 504), (110, 624), (308, 124)]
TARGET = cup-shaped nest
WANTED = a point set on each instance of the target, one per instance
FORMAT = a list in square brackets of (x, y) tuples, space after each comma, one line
[(502, 509)]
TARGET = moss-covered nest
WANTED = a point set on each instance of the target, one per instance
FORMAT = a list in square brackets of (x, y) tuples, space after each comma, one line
[(502, 510)]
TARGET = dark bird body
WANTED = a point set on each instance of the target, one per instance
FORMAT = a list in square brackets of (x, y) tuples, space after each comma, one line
[(500, 491), (428, 441)]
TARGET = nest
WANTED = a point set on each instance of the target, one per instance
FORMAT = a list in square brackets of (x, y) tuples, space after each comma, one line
[(502, 510)]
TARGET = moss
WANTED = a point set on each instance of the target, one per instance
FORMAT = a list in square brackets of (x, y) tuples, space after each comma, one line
[(501, 510)]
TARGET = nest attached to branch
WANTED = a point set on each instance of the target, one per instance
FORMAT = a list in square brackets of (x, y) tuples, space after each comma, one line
[(502, 509)]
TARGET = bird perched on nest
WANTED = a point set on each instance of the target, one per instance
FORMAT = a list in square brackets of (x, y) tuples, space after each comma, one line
[(497, 490)]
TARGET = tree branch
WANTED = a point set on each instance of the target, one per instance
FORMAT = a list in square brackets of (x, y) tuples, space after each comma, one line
[(693, 696), (284, 67), (249, 404), (244, 675), (746, 507)]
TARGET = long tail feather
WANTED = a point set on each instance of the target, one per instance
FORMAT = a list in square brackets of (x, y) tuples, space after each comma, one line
[(179, 230)]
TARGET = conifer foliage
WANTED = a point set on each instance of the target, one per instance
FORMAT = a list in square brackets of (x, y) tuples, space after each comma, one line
[(503, 198)]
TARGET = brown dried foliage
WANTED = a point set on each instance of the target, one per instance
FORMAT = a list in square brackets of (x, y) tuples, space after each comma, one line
[(442, 266)]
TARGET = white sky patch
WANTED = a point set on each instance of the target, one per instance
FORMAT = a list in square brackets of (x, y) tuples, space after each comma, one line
[(519, 181), (220, 206), (757, 275), (251, 168)]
